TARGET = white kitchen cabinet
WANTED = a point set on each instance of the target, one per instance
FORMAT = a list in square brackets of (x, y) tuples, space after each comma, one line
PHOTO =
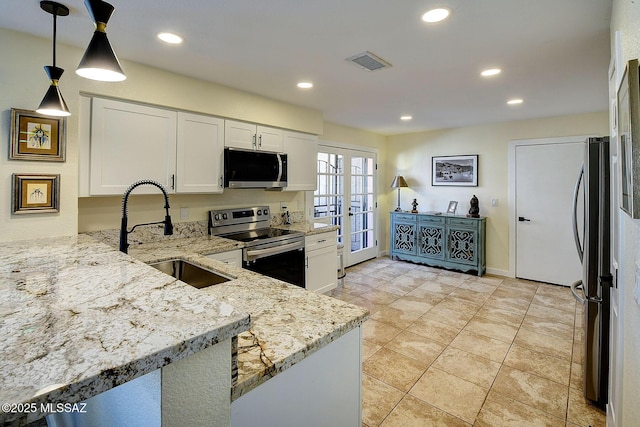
[(324, 389), (302, 159), (130, 142), (249, 136), (199, 154), (321, 251), (233, 258)]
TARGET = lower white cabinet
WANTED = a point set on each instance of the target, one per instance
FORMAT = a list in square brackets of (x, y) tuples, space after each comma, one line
[(233, 258), (321, 252), (324, 389)]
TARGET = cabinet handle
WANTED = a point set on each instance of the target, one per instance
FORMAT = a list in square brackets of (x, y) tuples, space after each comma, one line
[(322, 241), (173, 181), (306, 262), (260, 142), (221, 181), (254, 141)]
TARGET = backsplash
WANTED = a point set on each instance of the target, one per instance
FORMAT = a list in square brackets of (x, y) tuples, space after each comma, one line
[(155, 233)]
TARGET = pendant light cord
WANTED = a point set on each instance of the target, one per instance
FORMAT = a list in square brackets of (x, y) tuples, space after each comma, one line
[(55, 16)]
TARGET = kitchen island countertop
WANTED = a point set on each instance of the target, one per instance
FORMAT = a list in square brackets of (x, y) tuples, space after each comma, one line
[(62, 300)]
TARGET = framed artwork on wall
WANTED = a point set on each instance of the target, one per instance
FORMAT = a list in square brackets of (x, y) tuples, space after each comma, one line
[(35, 136), (628, 121), (455, 171), (35, 193)]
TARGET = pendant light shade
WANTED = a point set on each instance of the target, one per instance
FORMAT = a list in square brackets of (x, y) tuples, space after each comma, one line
[(100, 61), (53, 103)]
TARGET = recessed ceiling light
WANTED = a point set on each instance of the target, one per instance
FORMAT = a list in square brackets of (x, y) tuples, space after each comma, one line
[(515, 101), (305, 85), (406, 118), (491, 72), (436, 15), (170, 38)]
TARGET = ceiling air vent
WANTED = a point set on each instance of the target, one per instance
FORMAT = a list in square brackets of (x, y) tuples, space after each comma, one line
[(369, 61)]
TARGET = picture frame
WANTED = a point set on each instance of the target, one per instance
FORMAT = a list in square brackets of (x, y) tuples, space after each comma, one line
[(459, 171), (628, 120), (453, 207), (35, 136), (36, 193)]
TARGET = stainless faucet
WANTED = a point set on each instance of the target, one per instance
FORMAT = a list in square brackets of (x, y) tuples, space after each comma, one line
[(168, 227)]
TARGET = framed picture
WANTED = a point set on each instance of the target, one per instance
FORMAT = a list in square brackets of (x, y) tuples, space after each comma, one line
[(35, 136), (453, 206), (628, 120), (33, 193), (455, 170)]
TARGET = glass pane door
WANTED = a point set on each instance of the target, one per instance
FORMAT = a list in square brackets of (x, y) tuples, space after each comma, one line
[(361, 209), (345, 196)]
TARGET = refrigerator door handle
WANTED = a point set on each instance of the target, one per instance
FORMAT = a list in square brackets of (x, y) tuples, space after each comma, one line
[(576, 235), (582, 298), (574, 290)]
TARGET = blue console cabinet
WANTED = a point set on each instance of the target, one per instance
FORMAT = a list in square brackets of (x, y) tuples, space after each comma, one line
[(454, 242)]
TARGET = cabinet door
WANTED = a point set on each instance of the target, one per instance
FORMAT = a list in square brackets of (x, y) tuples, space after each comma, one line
[(269, 139), (230, 257), (322, 269), (130, 142), (462, 245), (403, 237), (199, 154), (302, 159), (431, 239), (239, 135)]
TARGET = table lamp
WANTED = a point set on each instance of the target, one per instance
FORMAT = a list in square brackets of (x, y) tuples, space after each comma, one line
[(398, 182)]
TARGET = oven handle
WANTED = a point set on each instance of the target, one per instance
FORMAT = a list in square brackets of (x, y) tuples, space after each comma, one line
[(261, 253)]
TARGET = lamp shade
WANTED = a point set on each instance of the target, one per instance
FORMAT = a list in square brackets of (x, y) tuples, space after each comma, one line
[(100, 61), (398, 182), (53, 104)]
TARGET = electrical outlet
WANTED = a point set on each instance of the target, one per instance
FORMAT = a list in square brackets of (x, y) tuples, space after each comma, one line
[(494, 203), (283, 206), (184, 213)]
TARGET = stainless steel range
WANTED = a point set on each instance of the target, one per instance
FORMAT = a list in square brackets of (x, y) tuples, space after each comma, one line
[(270, 251)]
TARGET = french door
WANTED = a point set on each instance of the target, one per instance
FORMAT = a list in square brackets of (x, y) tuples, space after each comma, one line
[(345, 196)]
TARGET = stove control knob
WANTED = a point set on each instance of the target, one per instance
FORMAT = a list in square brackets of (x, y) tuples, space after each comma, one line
[(217, 217), (259, 212), (266, 211), (224, 216)]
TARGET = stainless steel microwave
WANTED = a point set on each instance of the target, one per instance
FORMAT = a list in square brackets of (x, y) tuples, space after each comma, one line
[(254, 169)]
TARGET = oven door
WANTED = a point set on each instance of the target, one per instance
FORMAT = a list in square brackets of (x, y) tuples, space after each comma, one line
[(281, 264)]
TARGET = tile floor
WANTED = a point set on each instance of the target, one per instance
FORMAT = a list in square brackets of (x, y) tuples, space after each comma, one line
[(443, 348)]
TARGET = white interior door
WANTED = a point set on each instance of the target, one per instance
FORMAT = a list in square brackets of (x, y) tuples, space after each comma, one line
[(345, 196), (545, 175)]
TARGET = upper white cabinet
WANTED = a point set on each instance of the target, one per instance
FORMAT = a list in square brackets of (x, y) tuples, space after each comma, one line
[(302, 159), (199, 154), (130, 142), (249, 136)]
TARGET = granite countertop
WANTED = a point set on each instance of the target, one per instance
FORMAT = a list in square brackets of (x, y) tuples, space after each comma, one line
[(287, 322), (79, 318)]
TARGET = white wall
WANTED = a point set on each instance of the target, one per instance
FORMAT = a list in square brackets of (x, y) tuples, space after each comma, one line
[(626, 20), (410, 155)]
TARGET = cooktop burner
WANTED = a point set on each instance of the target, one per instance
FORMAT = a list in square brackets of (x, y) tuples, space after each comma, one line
[(261, 234)]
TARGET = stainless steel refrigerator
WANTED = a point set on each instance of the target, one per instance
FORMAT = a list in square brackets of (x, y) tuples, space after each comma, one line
[(593, 290)]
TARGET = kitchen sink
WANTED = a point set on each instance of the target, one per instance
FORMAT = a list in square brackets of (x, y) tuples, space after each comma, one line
[(189, 273)]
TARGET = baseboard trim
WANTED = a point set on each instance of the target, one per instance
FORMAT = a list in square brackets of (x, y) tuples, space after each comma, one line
[(497, 272)]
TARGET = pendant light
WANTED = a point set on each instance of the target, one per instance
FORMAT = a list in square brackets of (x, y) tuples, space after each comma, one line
[(99, 61), (53, 104)]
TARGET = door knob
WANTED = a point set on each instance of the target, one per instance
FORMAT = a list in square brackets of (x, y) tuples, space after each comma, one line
[(523, 219)]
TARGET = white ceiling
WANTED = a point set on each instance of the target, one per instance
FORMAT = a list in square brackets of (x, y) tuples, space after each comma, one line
[(554, 53)]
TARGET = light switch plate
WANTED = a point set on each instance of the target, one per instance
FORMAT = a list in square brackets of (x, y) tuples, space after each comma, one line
[(494, 202)]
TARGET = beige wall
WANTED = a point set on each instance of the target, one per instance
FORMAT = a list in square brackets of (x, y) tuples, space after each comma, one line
[(410, 155), (626, 20), (23, 84)]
